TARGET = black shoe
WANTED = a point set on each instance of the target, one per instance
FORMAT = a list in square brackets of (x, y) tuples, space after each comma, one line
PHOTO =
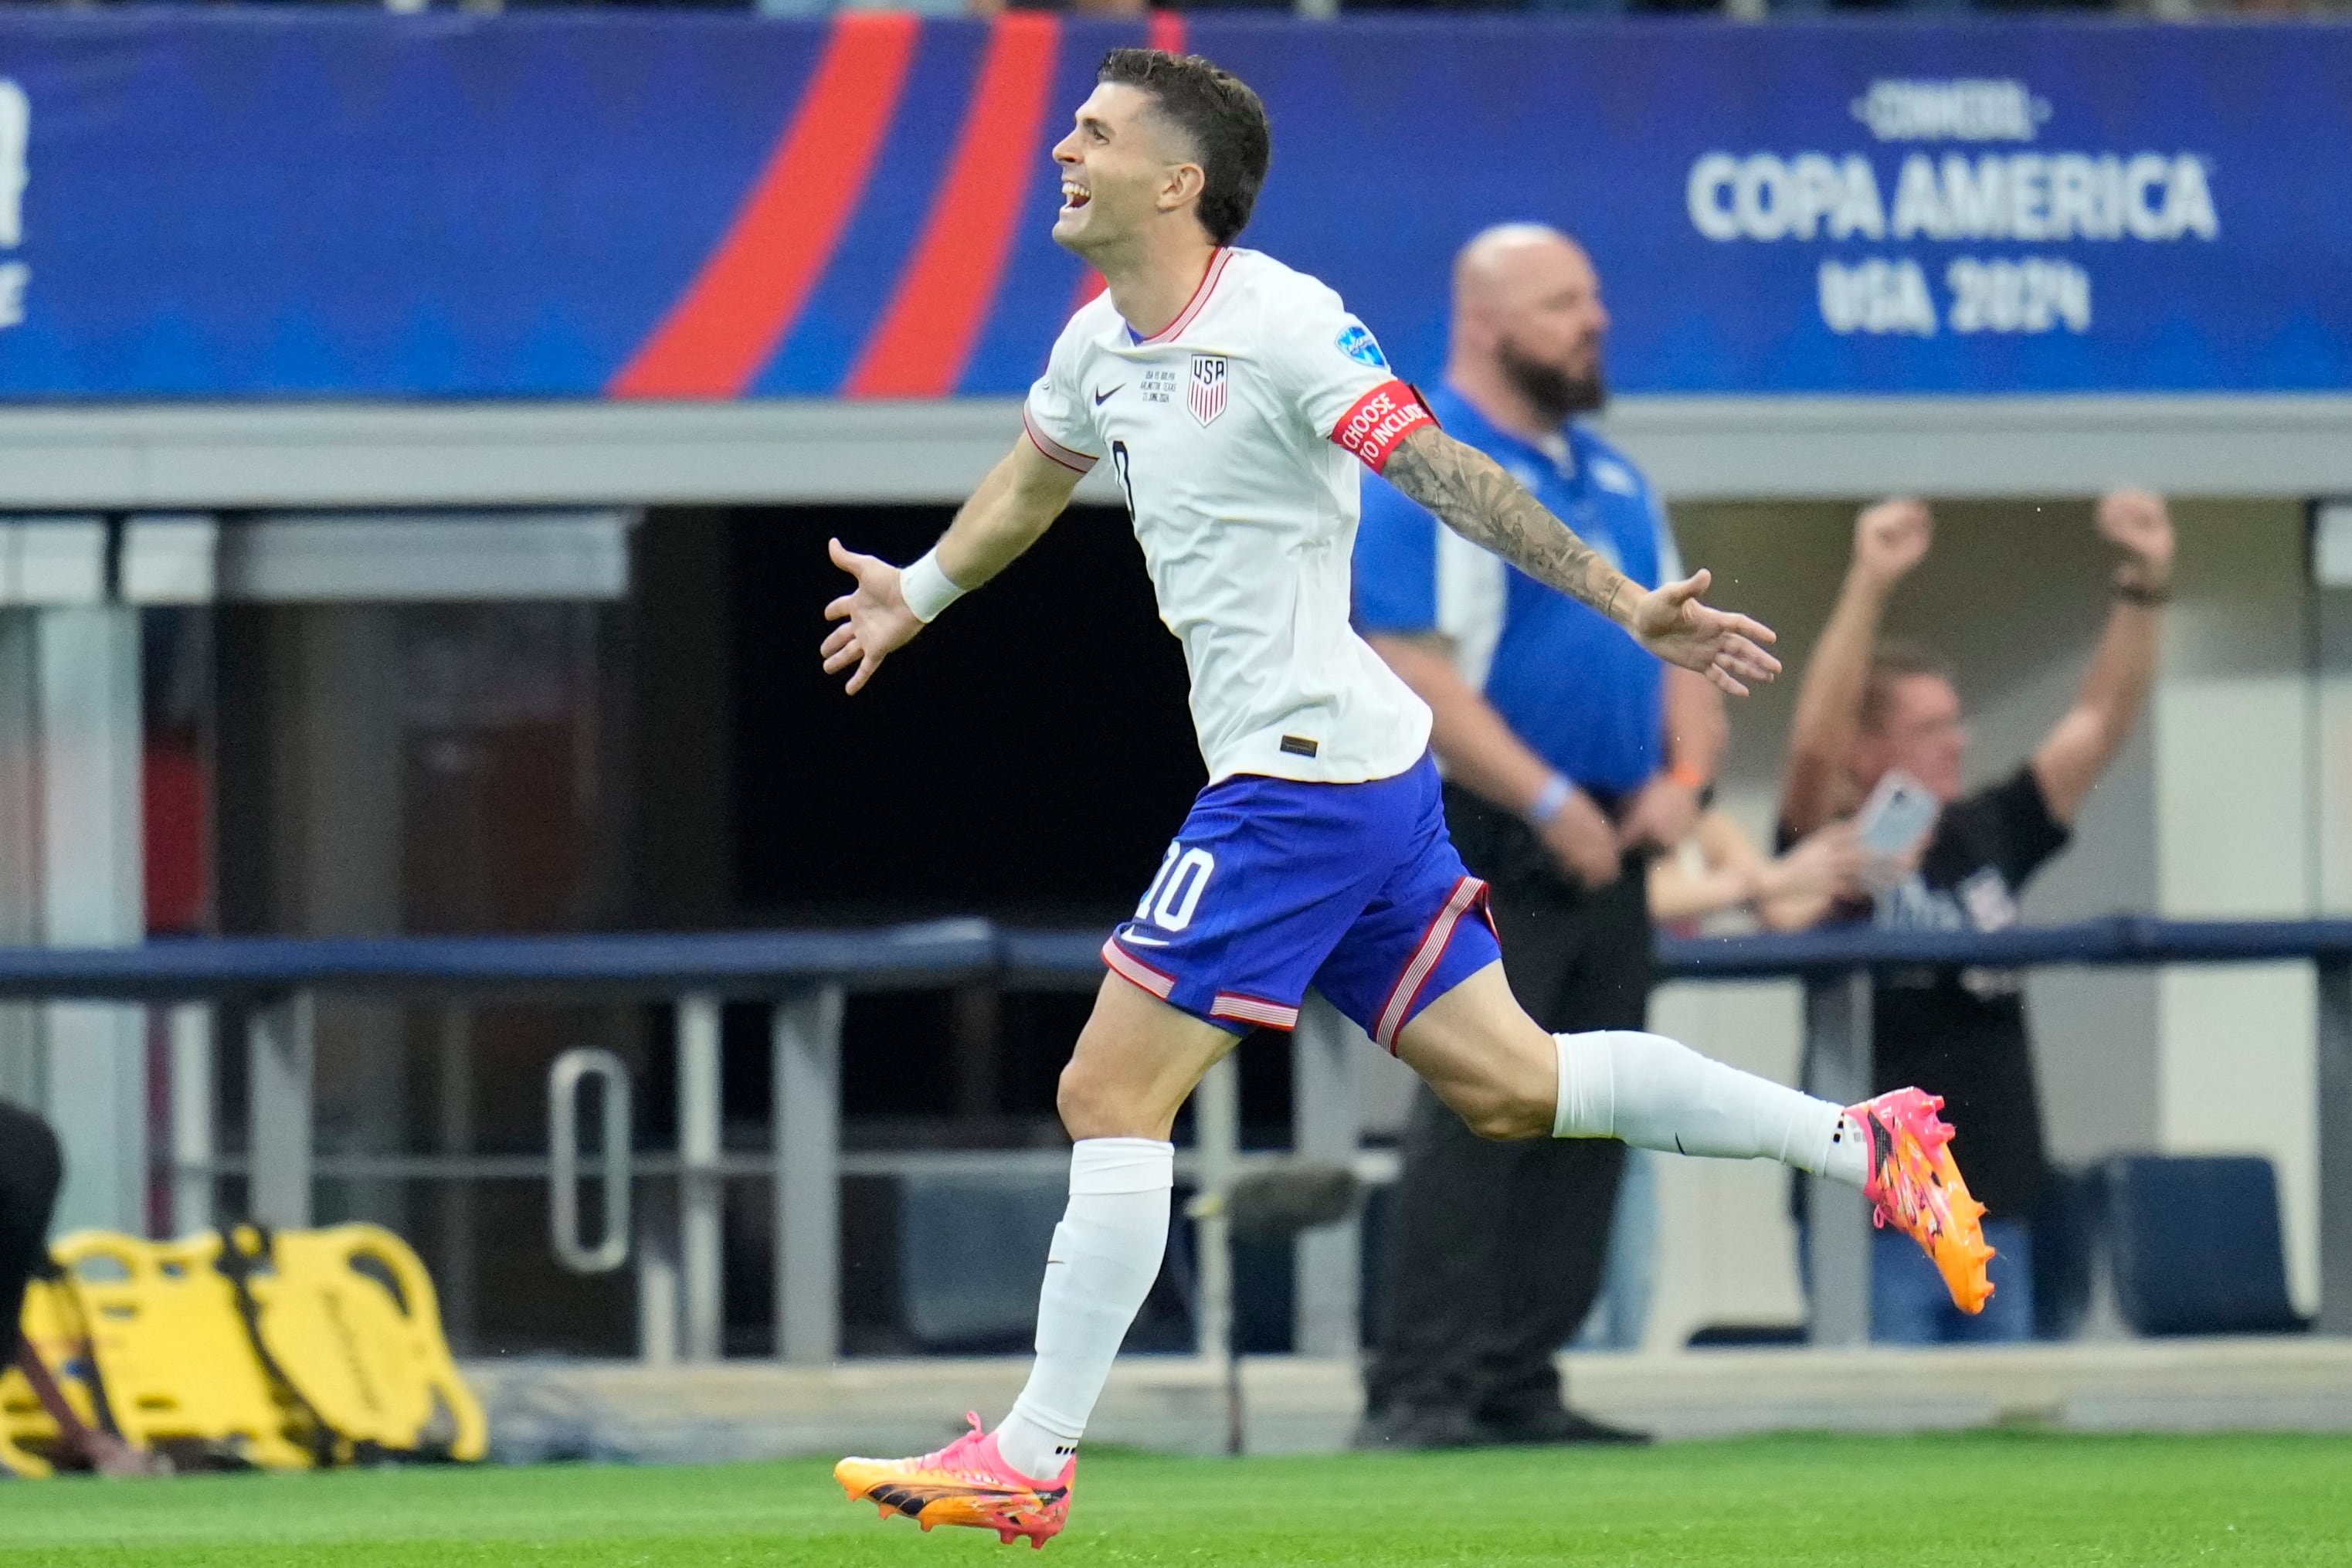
[(1554, 1425), (1409, 1428)]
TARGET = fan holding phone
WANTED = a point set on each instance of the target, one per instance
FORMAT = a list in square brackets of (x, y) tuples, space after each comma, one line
[(1880, 738)]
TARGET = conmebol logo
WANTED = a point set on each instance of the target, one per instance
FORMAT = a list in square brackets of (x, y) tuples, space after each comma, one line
[(1963, 110)]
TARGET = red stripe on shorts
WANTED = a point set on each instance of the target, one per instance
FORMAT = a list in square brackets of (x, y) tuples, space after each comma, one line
[(1253, 1010), (1137, 972), (1467, 892)]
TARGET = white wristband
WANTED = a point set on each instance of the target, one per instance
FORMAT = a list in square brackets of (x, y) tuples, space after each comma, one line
[(927, 588)]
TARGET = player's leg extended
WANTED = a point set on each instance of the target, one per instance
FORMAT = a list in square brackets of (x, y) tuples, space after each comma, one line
[(1508, 1078), (1136, 1062)]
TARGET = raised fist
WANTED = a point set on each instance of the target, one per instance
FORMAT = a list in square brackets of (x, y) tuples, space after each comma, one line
[(1891, 538), (2136, 523)]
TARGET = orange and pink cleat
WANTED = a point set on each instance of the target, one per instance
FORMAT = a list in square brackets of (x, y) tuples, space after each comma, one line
[(1916, 1187), (968, 1483)]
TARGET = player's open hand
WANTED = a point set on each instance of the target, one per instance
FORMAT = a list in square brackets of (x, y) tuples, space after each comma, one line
[(1674, 622), (873, 616)]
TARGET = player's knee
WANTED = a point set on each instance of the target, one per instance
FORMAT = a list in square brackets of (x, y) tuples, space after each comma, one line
[(1505, 1117), (1089, 1103), (1500, 1106), (1073, 1096)]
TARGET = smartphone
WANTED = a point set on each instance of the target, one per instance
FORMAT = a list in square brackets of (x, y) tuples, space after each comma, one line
[(1897, 815)]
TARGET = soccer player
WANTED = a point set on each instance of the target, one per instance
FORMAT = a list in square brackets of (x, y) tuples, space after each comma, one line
[(1234, 398)]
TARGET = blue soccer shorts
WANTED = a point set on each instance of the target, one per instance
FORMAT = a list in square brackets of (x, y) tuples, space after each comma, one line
[(1274, 886)]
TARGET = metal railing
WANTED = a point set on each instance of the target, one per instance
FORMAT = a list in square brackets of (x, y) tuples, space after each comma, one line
[(1836, 965), (805, 978)]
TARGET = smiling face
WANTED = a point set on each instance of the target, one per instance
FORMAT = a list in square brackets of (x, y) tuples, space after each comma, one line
[(1124, 168)]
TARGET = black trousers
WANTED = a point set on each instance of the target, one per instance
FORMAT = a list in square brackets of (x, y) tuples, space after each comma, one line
[(31, 1167), (1497, 1249)]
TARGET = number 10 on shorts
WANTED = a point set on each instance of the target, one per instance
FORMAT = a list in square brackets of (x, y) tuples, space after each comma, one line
[(1175, 893)]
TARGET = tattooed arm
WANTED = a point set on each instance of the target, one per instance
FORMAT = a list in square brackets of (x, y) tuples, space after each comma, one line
[(1472, 495), (1478, 500)]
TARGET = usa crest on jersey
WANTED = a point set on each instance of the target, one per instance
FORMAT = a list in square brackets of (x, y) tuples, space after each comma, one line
[(1208, 388)]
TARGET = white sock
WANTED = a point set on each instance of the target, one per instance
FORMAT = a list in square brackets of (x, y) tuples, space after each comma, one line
[(1106, 1254), (1657, 1093)]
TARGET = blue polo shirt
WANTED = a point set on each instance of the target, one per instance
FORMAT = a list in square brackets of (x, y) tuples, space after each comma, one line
[(1584, 696)]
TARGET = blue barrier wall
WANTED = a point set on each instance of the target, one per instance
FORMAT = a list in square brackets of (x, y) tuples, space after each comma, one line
[(268, 202)]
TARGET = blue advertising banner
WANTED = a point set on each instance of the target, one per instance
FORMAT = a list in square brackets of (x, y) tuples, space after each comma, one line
[(271, 204)]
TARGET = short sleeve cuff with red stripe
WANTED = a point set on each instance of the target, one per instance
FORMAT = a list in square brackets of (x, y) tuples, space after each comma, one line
[(1381, 420), (1068, 457)]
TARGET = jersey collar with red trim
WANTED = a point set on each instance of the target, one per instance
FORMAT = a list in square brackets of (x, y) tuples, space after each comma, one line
[(1192, 307)]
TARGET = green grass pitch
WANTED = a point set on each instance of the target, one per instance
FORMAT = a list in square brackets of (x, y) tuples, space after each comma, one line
[(1999, 1497)]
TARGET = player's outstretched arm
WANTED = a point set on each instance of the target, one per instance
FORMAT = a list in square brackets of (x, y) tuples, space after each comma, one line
[(1479, 499), (1009, 513)]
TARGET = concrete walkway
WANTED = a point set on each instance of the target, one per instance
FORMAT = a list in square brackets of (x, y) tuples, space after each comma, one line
[(742, 1410)]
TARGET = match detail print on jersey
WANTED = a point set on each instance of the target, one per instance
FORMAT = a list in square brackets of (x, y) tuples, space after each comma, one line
[(1379, 422)]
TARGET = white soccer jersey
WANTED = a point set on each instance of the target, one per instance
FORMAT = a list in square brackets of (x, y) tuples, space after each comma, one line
[(1235, 436)]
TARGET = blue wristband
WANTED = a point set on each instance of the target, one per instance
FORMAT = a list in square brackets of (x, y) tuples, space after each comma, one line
[(1549, 801)]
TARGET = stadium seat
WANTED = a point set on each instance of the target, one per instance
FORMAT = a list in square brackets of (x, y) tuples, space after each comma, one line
[(969, 1250), (2196, 1244), (2066, 1226)]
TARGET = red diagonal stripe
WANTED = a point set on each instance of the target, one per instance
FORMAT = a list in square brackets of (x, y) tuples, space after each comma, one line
[(750, 291), (924, 338)]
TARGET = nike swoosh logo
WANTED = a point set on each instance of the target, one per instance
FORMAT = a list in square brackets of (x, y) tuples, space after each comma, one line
[(1103, 397), (1143, 941)]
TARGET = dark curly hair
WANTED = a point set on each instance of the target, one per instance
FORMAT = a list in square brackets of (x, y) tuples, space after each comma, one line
[(1223, 118)]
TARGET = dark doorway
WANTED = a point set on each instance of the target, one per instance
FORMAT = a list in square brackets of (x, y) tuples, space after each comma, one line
[(1027, 758)]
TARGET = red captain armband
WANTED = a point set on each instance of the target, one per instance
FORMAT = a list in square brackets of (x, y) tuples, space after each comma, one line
[(1379, 422)]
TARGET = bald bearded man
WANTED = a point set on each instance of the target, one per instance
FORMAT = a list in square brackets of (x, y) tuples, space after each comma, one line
[(1563, 777)]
